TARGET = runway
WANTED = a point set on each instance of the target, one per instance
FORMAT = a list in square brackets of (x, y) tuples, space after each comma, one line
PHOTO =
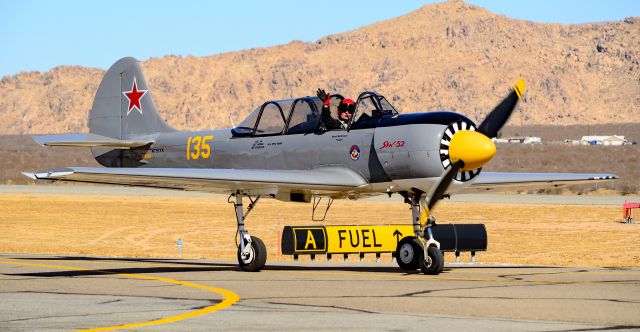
[(69, 293)]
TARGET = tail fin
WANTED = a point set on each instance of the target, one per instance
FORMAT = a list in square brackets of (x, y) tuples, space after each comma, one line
[(123, 106)]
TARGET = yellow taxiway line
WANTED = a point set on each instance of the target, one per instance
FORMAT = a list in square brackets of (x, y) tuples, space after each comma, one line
[(229, 297)]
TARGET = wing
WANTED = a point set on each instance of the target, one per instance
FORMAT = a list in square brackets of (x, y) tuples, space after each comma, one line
[(325, 180), (88, 140), (500, 181)]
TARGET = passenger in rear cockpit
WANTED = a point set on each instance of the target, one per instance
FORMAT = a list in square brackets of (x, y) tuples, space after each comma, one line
[(345, 112)]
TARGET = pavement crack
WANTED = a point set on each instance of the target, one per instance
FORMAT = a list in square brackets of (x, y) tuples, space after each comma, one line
[(606, 328), (325, 306), (90, 315), (430, 291)]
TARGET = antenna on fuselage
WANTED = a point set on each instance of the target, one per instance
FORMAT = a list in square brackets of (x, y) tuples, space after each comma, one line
[(233, 125)]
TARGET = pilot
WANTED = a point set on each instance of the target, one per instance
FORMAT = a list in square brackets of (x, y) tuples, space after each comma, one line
[(345, 112)]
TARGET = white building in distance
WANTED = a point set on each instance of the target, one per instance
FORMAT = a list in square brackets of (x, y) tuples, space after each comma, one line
[(532, 140), (519, 140), (613, 140)]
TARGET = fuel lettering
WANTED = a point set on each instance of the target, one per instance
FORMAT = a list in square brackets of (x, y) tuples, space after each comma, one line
[(358, 238)]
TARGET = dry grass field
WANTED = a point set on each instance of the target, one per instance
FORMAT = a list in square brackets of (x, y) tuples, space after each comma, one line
[(150, 226)]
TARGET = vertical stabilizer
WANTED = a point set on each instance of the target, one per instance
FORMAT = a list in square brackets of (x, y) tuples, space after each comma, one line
[(123, 105)]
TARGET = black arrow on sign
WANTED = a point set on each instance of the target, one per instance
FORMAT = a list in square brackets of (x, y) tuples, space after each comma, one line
[(398, 235)]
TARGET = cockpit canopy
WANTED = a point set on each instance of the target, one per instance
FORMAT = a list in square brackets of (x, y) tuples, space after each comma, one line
[(302, 115)]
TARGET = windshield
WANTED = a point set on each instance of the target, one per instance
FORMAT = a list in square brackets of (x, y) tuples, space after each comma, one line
[(247, 125), (267, 119), (386, 106), (367, 108), (370, 107)]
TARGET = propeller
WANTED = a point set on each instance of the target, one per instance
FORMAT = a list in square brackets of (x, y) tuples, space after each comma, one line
[(472, 149), (499, 116)]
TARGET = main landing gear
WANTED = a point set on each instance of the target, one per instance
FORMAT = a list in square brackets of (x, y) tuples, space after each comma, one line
[(252, 253), (421, 251)]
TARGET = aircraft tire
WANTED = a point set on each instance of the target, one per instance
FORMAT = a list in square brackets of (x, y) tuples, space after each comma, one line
[(435, 262), (409, 253), (257, 258)]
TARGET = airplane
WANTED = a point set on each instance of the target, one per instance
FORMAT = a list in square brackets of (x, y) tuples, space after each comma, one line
[(282, 151)]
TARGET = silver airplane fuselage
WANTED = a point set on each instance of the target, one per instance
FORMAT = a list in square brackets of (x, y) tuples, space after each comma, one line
[(397, 153)]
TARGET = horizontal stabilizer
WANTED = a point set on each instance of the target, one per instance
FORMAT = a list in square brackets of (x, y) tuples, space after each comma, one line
[(88, 141)]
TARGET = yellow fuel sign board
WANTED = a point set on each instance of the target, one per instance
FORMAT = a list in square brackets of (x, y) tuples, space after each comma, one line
[(343, 239), (364, 239)]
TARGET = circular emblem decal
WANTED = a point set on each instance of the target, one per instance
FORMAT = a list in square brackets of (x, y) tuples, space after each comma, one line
[(354, 152)]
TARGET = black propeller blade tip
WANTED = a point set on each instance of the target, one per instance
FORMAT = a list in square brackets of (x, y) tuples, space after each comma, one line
[(499, 116)]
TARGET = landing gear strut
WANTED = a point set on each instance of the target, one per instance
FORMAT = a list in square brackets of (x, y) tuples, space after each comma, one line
[(421, 251), (252, 253)]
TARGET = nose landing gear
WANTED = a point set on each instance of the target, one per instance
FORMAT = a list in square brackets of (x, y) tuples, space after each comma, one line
[(421, 251)]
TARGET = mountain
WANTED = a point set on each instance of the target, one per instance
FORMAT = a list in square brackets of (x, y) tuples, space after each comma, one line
[(451, 55)]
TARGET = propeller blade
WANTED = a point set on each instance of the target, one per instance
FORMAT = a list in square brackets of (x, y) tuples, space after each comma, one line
[(499, 116), (444, 183)]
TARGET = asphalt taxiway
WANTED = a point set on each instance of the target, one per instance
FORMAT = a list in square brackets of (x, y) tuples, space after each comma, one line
[(42, 292)]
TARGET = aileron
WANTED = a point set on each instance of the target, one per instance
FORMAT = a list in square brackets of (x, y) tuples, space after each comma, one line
[(505, 181)]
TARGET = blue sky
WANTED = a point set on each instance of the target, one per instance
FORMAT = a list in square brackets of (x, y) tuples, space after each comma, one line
[(39, 35)]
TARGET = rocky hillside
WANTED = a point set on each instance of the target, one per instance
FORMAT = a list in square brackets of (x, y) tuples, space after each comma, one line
[(450, 55)]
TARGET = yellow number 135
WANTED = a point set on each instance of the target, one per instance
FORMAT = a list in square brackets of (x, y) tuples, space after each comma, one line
[(197, 147)]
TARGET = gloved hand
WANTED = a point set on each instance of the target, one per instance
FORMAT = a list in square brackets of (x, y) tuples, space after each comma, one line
[(325, 97)]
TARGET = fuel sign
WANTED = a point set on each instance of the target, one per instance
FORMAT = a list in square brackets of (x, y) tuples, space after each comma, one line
[(365, 239)]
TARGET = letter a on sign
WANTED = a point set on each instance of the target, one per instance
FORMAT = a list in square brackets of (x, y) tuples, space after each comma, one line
[(310, 240)]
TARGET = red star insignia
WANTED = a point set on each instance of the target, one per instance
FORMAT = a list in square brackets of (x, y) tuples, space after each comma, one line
[(134, 97)]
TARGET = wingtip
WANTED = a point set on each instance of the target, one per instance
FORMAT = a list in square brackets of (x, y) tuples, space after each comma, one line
[(31, 176), (40, 139), (519, 88), (606, 177), (52, 174)]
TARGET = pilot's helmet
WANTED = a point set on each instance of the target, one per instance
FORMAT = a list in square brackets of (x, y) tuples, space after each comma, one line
[(347, 105)]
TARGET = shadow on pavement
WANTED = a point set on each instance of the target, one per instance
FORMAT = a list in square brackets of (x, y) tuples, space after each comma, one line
[(195, 266)]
